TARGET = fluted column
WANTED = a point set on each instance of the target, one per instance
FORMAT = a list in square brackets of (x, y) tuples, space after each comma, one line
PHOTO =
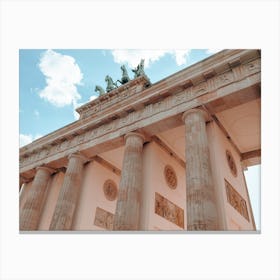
[(69, 194), (22, 180), (128, 204), (31, 211), (22, 187), (201, 204)]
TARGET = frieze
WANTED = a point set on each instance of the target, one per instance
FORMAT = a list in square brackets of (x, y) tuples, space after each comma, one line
[(64, 145), (81, 138), (201, 88), (253, 66), (224, 79), (103, 219), (169, 210), (168, 103), (236, 200), (180, 97), (211, 84)]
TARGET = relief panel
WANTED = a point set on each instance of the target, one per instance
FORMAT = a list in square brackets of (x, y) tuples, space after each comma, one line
[(236, 200), (169, 210), (104, 219)]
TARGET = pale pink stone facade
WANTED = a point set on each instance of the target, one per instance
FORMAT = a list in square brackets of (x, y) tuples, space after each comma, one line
[(189, 122)]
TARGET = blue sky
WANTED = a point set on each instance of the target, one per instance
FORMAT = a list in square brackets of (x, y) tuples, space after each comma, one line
[(55, 82)]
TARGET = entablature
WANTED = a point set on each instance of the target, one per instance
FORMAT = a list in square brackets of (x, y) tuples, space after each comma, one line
[(198, 84)]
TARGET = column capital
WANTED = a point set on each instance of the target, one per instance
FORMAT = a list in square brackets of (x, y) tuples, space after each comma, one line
[(201, 112), (46, 168), (135, 134), (78, 155), (23, 180)]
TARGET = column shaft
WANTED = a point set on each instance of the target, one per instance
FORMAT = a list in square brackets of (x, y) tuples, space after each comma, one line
[(69, 194), (22, 189), (31, 211), (128, 204), (201, 202)]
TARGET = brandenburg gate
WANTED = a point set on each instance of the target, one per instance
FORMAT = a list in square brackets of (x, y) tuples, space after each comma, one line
[(151, 157)]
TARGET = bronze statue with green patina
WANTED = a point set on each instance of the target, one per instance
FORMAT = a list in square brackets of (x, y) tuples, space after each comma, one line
[(100, 90), (139, 71), (125, 78), (110, 84)]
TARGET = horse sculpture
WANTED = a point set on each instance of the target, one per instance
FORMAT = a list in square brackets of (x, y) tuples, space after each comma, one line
[(110, 84), (125, 77), (100, 90), (139, 70)]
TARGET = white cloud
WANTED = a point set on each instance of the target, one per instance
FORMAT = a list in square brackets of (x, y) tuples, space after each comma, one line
[(133, 57), (181, 56), (62, 75), (212, 51), (76, 105), (92, 97), (37, 136), (25, 139)]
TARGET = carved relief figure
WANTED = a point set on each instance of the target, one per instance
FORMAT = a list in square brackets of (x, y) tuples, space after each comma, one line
[(170, 177), (110, 190), (231, 163), (103, 219), (244, 210), (169, 210), (236, 200)]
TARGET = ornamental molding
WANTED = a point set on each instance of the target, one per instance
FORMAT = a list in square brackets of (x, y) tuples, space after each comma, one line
[(110, 190), (164, 99), (231, 163), (170, 177)]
